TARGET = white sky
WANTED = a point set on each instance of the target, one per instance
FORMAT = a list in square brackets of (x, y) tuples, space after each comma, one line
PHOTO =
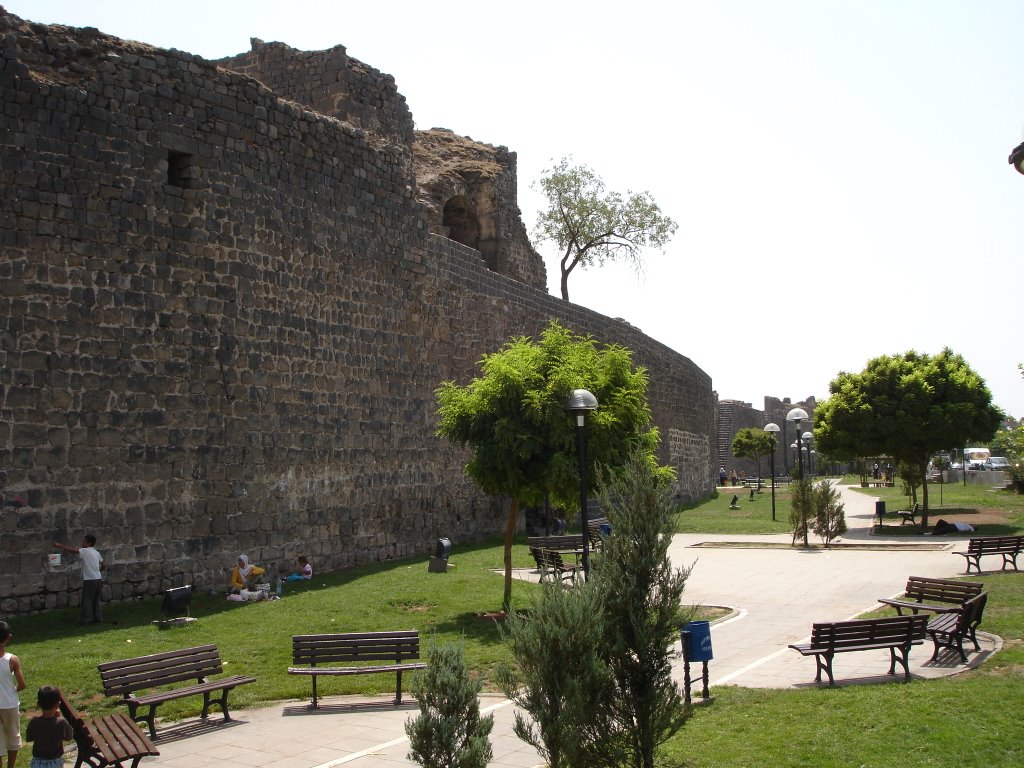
[(838, 170)]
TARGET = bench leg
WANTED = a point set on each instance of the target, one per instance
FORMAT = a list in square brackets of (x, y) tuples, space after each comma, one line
[(398, 687), (149, 719), (824, 663), (1009, 559), (221, 702), (903, 659), (315, 704)]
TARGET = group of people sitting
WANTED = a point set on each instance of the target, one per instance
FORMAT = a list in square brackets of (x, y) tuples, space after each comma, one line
[(244, 575)]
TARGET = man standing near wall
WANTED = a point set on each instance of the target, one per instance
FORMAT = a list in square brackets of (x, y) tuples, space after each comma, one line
[(92, 579)]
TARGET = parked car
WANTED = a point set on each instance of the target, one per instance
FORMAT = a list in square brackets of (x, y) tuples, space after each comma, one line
[(996, 464)]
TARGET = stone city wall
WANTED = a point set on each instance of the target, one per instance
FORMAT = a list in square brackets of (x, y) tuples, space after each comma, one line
[(222, 321)]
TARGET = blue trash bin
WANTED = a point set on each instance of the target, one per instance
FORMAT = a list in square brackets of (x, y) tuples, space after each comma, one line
[(700, 640)]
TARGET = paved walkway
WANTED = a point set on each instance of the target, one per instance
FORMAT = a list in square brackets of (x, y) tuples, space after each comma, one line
[(776, 594)]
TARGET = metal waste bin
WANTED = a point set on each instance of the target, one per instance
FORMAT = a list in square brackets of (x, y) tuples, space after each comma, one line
[(699, 646), (880, 510)]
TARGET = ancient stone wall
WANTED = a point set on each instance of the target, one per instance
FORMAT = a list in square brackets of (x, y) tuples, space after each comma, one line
[(332, 83), (222, 321)]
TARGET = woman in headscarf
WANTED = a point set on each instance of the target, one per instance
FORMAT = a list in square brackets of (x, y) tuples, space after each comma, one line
[(244, 574)]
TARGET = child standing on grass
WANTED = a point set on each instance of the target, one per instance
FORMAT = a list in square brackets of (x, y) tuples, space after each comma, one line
[(12, 680), (48, 731)]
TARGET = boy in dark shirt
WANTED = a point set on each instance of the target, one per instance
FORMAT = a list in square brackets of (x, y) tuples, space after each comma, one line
[(48, 731)]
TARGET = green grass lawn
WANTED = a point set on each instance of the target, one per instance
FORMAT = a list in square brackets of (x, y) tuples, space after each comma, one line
[(752, 517), (972, 719)]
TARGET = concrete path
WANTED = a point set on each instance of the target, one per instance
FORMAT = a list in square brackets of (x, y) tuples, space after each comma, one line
[(776, 594)]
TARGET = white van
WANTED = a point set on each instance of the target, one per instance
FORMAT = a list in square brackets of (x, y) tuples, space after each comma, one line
[(974, 458)]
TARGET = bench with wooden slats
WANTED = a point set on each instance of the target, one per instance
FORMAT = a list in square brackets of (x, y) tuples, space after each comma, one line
[(895, 633), (126, 677), (107, 740), (924, 593), (550, 564), (949, 630), (401, 649), (1007, 546)]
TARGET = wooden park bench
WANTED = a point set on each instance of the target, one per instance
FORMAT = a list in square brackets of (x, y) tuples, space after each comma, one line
[(397, 652), (126, 677), (909, 515), (565, 544), (107, 740), (1007, 546), (923, 593), (896, 633), (550, 563), (948, 630)]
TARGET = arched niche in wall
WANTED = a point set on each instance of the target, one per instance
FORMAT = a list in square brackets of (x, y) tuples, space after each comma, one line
[(462, 222)]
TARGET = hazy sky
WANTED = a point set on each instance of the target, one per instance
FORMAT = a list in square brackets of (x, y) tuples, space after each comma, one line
[(838, 170)]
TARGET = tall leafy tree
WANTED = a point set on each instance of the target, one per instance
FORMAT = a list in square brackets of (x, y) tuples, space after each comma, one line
[(749, 443), (591, 226), (907, 406), (523, 443)]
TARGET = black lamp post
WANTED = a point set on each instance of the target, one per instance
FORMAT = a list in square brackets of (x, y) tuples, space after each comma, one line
[(807, 437), (772, 429), (797, 415), (581, 402)]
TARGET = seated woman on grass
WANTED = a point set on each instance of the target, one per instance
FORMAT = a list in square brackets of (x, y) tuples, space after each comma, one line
[(244, 575)]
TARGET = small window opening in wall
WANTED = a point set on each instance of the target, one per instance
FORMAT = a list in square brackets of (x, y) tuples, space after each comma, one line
[(182, 170)]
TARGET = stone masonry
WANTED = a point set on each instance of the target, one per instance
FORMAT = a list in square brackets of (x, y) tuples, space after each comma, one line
[(224, 311)]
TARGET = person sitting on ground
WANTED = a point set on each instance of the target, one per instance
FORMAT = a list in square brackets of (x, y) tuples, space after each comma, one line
[(243, 575), (305, 571)]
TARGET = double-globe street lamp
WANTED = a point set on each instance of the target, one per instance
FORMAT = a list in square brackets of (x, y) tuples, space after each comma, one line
[(807, 437), (581, 402), (772, 429), (796, 416)]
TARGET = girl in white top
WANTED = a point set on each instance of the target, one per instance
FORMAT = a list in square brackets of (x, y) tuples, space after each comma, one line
[(12, 680)]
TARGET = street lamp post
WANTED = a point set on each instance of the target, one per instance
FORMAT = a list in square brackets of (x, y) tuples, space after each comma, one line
[(772, 429), (581, 402), (797, 415), (807, 437)]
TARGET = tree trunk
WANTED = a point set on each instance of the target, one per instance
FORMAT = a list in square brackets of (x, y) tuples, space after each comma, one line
[(565, 285), (924, 495), (510, 530)]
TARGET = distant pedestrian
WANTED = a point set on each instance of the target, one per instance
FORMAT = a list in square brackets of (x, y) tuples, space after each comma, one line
[(721, 476), (12, 680), (93, 566), (48, 730)]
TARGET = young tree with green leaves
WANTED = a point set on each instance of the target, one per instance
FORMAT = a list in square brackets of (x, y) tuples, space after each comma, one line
[(907, 406), (558, 674), (749, 443), (449, 732), (522, 441), (829, 513), (591, 226), (801, 508), (641, 592)]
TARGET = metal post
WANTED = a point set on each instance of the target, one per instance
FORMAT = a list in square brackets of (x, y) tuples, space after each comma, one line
[(773, 477), (581, 444)]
